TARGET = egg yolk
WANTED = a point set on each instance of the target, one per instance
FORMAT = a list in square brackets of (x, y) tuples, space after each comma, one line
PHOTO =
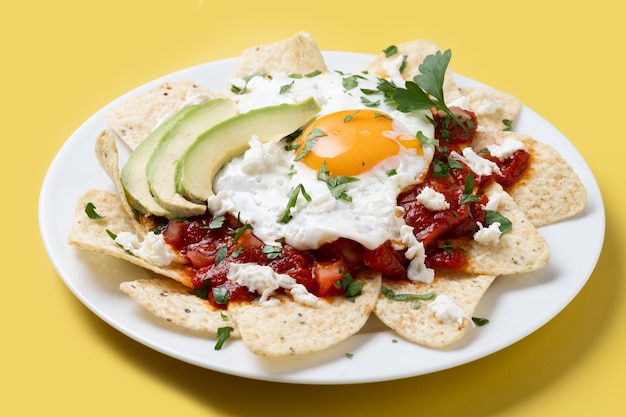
[(350, 142)]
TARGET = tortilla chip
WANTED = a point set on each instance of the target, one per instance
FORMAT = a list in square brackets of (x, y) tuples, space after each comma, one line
[(108, 157), (491, 107), (298, 54), (136, 118), (550, 190), (91, 234), (421, 325), (176, 303), (291, 328), (415, 52), (523, 249)]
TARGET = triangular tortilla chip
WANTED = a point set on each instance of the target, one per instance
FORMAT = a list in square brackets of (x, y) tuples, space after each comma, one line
[(298, 54), (421, 325), (176, 303), (291, 328), (523, 249), (133, 120), (92, 234)]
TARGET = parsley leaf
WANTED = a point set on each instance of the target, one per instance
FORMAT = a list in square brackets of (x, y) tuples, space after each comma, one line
[(390, 50), (493, 216), (90, 210), (336, 185), (240, 231), (387, 292), (223, 333), (479, 321), (468, 191), (221, 295), (351, 286), (293, 198), (426, 89), (221, 254), (217, 222), (272, 252)]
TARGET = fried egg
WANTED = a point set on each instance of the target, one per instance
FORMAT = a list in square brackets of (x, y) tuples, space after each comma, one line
[(342, 174)]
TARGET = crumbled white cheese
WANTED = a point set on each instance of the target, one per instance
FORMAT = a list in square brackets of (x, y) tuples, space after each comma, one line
[(417, 270), (153, 248), (495, 200), (488, 236), (265, 281), (476, 163), (444, 308), (488, 103), (432, 199), (506, 149)]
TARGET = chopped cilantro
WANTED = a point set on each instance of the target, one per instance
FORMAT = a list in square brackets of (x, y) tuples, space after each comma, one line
[(223, 333), (272, 252), (508, 125), (286, 87), (479, 321), (221, 254), (293, 198), (390, 50), (387, 292), (90, 210), (240, 231), (468, 190), (351, 286), (493, 216), (336, 185), (217, 222), (221, 295)]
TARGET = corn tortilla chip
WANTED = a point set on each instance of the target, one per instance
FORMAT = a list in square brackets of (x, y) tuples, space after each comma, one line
[(291, 328), (421, 325), (133, 120), (298, 54), (176, 303), (91, 234), (521, 250)]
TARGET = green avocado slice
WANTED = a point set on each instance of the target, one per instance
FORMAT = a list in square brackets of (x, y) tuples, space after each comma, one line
[(161, 167), (133, 174), (212, 149)]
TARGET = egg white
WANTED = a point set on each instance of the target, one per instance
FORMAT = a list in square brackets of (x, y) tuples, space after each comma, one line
[(254, 186)]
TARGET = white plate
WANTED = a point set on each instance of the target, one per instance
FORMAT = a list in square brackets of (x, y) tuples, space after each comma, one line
[(516, 305)]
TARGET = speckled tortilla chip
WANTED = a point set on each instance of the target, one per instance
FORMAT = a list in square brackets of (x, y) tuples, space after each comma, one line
[(523, 249), (91, 234), (415, 52), (108, 158), (176, 303), (298, 54), (133, 120), (491, 107), (550, 190), (290, 328), (421, 325)]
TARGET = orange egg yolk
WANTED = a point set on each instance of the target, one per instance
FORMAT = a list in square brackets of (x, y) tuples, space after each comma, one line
[(350, 142)]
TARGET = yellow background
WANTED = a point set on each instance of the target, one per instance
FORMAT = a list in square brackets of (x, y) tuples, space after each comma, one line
[(63, 60)]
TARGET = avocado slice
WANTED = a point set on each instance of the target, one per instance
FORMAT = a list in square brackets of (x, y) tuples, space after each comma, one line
[(212, 149), (133, 174), (161, 167)]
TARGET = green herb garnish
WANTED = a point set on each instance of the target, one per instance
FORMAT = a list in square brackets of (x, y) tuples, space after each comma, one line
[(293, 198), (336, 185), (493, 216), (223, 333), (90, 211)]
